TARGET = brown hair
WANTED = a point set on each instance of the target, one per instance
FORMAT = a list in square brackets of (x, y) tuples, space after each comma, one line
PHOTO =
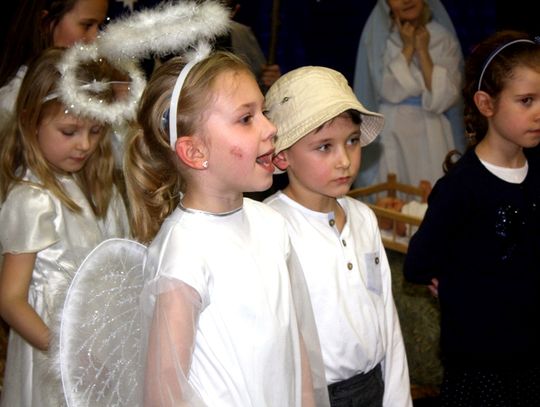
[(154, 175), (19, 150), (499, 70), (496, 73), (30, 33)]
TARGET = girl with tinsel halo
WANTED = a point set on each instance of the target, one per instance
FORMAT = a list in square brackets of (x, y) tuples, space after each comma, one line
[(59, 200)]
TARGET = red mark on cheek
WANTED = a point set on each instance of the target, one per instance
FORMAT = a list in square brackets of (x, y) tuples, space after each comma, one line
[(236, 152)]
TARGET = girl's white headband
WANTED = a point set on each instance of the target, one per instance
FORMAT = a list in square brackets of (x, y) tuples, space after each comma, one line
[(202, 52), (497, 52)]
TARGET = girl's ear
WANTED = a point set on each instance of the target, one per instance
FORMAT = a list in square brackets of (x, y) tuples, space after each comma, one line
[(192, 152), (484, 103), (280, 160)]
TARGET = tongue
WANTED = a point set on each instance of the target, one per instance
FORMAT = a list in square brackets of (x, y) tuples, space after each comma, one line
[(264, 159)]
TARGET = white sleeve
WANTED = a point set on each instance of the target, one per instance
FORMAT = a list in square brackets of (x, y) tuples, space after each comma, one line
[(171, 340), (28, 220), (308, 330), (398, 81), (446, 78), (397, 390)]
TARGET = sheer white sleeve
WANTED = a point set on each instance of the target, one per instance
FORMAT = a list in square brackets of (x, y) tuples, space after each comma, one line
[(126, 339), (172, 308), (308, 333)]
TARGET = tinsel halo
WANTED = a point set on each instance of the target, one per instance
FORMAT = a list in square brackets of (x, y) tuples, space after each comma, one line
[(80, 102), (164, 29), (168, 28)]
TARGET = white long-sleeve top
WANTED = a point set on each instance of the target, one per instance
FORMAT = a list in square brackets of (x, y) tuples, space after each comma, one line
[(349, 281)]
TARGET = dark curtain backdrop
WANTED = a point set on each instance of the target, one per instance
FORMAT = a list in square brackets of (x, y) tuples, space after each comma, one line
[(326, 32)]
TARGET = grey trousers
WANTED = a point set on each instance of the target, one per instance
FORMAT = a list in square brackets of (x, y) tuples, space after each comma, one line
[(362, 390)]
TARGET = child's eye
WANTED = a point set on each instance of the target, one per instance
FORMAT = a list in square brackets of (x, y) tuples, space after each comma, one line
[(87, 25), (96, 129), (527, 100), (68, 133), (246, 119), (353, 140), (323, 147)]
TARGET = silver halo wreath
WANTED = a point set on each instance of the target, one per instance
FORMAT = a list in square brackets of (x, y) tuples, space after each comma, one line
[(169, 28), (77, 98)]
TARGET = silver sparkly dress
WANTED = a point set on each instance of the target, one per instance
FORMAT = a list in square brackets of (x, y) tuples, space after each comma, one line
[(33, 220)]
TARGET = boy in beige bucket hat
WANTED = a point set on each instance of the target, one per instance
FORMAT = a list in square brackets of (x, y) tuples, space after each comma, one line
[(321, 127)]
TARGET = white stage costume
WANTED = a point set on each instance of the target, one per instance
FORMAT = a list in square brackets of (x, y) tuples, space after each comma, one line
[(246, 349), (421, 126), (242, 287), (349, 282), (35, 221)]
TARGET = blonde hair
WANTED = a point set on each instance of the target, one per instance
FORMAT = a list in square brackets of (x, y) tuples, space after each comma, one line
[(154, 176), (20, 151)]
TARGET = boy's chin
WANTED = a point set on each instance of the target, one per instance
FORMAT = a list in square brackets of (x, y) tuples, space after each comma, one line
[(339, 191)]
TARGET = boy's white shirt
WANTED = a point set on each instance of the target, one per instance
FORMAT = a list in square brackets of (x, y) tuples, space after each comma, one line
[(349, 280)]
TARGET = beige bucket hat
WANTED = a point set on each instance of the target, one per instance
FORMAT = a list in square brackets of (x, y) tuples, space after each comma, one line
[(303, 99)]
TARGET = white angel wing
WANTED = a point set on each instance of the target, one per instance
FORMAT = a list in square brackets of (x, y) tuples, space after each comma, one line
[(100, 333)]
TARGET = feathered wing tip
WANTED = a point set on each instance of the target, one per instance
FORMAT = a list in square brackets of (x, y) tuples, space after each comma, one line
[(167, 29)]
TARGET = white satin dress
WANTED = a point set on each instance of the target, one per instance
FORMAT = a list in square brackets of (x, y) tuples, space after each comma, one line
[(33, 220)]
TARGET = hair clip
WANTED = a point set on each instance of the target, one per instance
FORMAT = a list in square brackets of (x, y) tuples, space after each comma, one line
[(165, 120)]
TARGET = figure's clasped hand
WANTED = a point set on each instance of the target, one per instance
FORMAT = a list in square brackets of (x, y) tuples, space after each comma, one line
[(434, 287)]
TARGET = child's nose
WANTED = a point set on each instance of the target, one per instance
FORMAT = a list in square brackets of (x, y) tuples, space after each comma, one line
[(344, 160), (91, 34), (270, 130), (84, 141)]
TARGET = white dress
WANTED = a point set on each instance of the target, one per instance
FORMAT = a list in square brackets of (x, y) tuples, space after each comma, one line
[(417, 135), (246, 350), (34, 220)]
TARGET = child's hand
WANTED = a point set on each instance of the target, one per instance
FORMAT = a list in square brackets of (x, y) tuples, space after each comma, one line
[(434, 287), (407, 33), (421, 39)]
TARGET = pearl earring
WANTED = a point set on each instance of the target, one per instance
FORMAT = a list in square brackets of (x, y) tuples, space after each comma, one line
[(205, 164)]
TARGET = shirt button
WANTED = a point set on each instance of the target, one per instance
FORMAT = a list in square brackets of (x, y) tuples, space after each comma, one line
[(344, 242), (332, 222), (349, 266)]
